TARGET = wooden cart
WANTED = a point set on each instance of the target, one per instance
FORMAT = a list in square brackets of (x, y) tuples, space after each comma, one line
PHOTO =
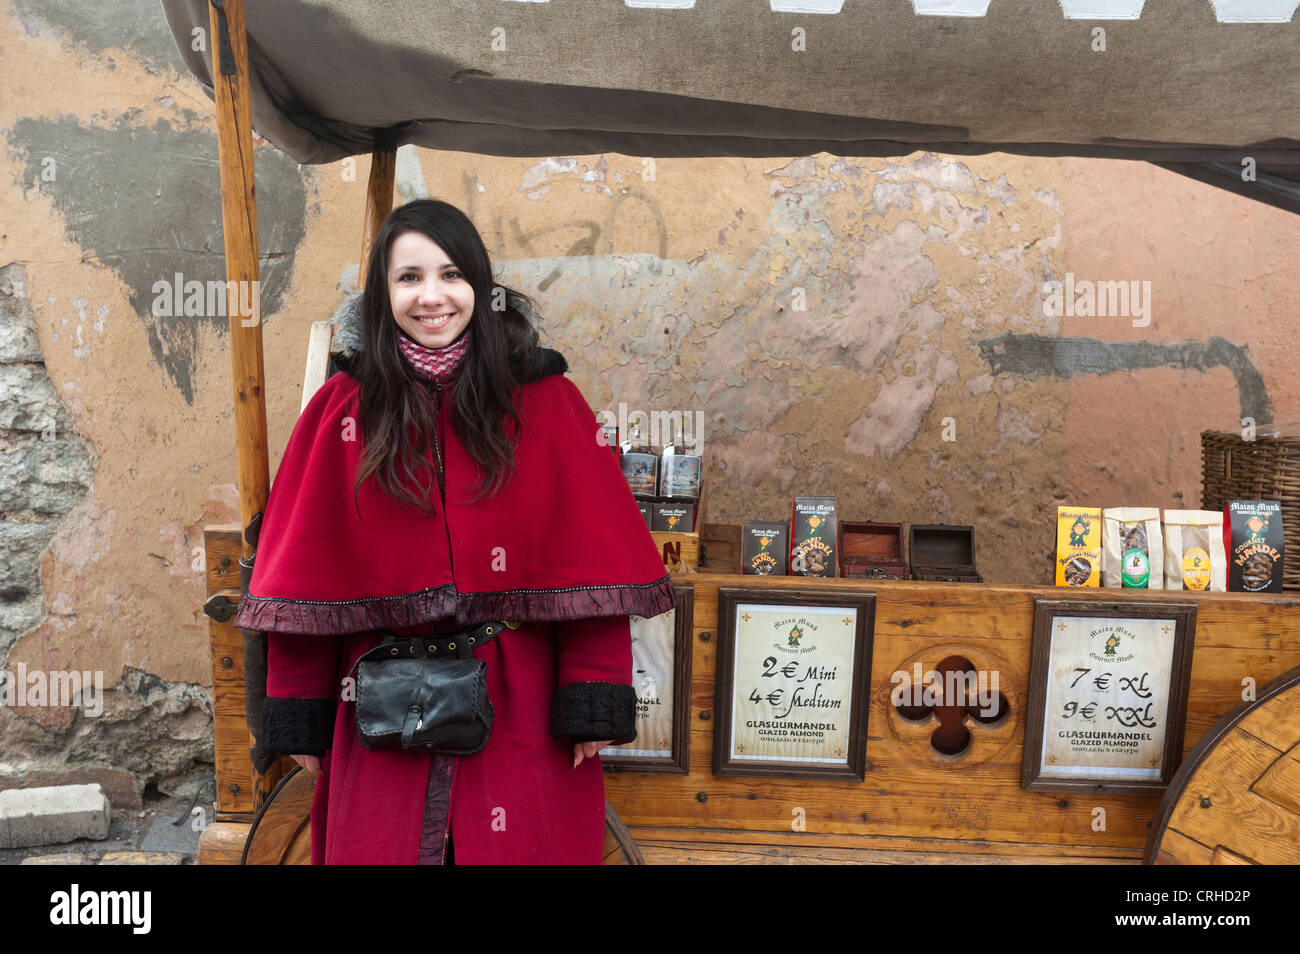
[(917, 803)]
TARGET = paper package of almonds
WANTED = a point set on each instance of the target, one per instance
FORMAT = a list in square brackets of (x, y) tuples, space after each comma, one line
[(1133, 554), (1194, 554)]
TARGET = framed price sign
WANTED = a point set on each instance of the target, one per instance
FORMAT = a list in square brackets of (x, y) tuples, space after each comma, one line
[(794, 668), (1107, 694), (661, 676)]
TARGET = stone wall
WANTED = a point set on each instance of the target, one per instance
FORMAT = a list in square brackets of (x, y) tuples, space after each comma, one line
[(144, 730), (46, 468)]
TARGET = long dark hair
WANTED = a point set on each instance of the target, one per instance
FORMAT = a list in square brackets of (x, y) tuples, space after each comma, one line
[(397, 406)]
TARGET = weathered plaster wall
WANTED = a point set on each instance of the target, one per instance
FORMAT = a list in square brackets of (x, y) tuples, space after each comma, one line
[(923, 280), (834, 320)]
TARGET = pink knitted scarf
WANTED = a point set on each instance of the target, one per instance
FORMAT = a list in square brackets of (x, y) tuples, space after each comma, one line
[(434, 364)]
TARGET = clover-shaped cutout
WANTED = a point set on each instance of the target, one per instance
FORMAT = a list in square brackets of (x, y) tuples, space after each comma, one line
[(950, 699)]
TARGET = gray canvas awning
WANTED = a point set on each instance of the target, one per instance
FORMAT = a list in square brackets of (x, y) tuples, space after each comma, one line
[(1195, 85)]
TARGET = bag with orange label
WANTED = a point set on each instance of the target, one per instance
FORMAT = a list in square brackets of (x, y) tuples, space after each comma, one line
[(1194, 554)]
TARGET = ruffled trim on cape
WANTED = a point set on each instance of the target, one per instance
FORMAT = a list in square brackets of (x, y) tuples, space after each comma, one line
[(337, 618)]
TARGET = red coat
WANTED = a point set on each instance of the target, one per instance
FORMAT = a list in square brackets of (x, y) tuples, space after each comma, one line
[(562, 549)]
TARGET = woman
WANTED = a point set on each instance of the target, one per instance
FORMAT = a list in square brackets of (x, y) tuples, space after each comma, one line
[(449, 477)]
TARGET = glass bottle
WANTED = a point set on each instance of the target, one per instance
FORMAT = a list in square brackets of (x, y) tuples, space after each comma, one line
[(610, 434), (679, 471), (640, 464)]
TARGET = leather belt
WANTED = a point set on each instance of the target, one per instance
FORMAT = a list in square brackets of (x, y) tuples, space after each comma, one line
[(445, 645)]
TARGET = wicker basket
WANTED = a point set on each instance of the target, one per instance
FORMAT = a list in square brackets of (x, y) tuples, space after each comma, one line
[(1267, 468)]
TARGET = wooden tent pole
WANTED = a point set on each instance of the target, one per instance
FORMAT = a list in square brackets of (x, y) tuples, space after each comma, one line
[(379, 202), (228, 41), (229, 45)]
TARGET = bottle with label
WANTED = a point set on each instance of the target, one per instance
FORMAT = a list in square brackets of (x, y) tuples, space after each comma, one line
[(609, 434), (679, 471), (640, 464)]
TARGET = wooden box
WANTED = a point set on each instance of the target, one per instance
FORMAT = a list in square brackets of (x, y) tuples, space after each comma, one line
[(872, 550), (943, 553), (720, 547), (680, 551)]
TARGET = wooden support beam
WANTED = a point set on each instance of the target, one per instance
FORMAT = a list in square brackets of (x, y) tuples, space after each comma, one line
[(236, 784), (229, 46), (318, 360), (379, 202), (228, 42), (222, 843)]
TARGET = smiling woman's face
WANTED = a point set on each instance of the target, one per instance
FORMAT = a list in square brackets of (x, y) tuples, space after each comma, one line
[(432, 301)]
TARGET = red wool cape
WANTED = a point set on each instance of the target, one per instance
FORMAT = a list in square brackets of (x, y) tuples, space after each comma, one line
[(561, 549)]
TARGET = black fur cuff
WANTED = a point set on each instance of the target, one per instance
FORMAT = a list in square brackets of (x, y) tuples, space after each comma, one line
[(298, 726), (594, 712)]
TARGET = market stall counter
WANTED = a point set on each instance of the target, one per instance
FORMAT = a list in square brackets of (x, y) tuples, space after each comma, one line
[(846, 720)]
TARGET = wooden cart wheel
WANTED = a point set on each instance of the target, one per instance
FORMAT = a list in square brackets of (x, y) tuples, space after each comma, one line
[(620, 847), (281, 832), (1235, 800)]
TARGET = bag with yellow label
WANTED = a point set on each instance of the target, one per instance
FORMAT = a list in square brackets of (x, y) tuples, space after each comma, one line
[(1194, 554), (1078, 546)]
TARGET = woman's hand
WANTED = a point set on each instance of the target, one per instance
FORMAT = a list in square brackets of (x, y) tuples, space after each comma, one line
[(310, 762), (587, 750)]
